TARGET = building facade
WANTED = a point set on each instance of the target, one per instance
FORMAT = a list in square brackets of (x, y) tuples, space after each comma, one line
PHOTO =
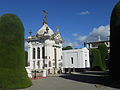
[(95, 44), (76, 59), (45, 50)]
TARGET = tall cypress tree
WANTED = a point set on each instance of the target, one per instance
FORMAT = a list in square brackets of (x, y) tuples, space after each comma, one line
[(104, 52), (115, 42), (12, 55), (96, 62)]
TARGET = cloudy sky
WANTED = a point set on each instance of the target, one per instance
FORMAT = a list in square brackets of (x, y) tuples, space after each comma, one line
[(102, 31), (79, 20)]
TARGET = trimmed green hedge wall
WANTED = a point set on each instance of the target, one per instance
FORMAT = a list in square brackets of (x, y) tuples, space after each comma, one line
[(104, 53), (114, 42), (96, 59), (12, 55)]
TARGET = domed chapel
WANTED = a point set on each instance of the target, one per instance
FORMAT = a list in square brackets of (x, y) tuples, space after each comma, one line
[(45, 49)]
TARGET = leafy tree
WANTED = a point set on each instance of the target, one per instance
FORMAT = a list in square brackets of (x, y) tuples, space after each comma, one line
[(104, 52), (67, 48), (114, 42), (12, 56)]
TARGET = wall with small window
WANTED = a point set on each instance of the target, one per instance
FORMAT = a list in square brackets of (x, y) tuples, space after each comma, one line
[(76, 58), (70, 59)]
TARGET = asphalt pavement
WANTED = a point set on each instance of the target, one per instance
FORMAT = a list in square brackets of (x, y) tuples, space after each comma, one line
[(74, 81)]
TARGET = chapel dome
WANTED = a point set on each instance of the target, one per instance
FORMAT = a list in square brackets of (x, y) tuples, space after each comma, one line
[(45, 30)]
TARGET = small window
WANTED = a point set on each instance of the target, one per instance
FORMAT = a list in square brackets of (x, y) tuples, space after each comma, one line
[(33, 53), (43, 52), (38, 53), (71, 60), (61, 57), (85, 63)]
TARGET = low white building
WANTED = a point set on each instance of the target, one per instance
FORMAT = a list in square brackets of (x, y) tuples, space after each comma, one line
[(76, 59)]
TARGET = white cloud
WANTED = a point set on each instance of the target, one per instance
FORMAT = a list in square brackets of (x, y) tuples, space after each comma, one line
[(82, 38), (84, 13), (75, 44), (75, 34), (68, 42), (102, 31)]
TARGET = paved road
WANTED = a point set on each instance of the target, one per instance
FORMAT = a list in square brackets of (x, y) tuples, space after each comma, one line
[(74, 82)]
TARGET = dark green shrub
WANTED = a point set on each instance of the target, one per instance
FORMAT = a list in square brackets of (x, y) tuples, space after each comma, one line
[(114, 41), (96, 60), (12, 55), (67, 48), (104, 52)]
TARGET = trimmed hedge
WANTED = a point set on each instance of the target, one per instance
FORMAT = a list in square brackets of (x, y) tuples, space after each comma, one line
[(114, 42), (95, 60), (12, 55), (104, 53)]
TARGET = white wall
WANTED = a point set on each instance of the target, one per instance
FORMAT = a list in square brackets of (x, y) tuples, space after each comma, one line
[(80, 58), (49, 52)]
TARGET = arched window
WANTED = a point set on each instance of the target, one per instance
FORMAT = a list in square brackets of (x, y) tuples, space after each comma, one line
[(71, 60), (38, 53), (33, 53), (43, 52), (55, 57)]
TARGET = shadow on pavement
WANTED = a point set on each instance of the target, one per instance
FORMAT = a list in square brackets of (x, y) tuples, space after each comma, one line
[(93, 77)]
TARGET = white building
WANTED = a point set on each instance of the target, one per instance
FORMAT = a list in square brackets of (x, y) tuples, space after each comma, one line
[(76, 59), (95, 44), (45, 50), (45, 53)]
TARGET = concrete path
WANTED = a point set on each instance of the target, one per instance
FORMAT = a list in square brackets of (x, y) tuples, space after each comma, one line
[(69, 82)]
